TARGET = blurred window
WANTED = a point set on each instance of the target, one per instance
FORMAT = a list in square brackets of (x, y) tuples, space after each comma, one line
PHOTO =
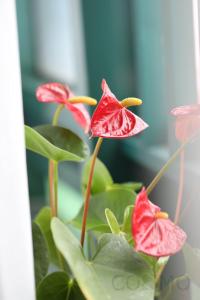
[(166, 56), (55, 46)]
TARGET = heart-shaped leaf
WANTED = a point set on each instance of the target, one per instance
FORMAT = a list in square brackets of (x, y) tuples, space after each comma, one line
[(115, 272), (116, 199), (56, 143), (43, 219), (101, 178), (58, 286), (40, 250)]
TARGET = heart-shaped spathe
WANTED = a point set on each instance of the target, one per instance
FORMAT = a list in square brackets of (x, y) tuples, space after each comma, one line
[(60, 93), (154, 235), (112, 120)]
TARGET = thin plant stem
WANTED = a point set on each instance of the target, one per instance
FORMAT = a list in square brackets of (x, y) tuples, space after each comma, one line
[(55, 184), (53, 171), (181, 186), (88, 190), (70, 285), (159, 273), (51, 188), (165, 168), (57, 114), (185, 210)]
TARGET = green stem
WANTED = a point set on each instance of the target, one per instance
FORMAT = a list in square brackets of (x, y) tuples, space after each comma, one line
[(57, 114), (53, 172), (165, 168), (88, 190), (70, 285), (158, 275), (55, 184), (51, 188), (180, 191)]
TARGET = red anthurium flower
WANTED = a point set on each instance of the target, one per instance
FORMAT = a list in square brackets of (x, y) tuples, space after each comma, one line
[(187, 121), (59, 93), (113, 120), (153, 232)]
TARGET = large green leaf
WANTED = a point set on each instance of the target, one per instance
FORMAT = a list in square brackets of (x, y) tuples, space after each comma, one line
[(192, 262), (41, 257), (101, 178), (58, 286), (116, 199), (56, 143), (116, 271), (43, 219)]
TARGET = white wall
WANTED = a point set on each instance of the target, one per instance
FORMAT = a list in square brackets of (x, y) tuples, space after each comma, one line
[(16, 263)]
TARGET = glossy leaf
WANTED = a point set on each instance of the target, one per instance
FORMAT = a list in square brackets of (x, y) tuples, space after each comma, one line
[(112, 221), (153, 232), (56, 143), (126, 226), (115, 272), (112, 120), (132, 186), (57, 286), (116, 199), (192, 262), (43, 219), (101, 178), (40, 251)]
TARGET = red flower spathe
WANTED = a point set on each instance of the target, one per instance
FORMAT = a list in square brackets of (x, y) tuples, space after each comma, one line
[(112, 120), (153, 234), (187, 121), (59, 93)]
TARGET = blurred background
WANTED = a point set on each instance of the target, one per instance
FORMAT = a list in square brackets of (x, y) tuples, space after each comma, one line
[(145, 49)]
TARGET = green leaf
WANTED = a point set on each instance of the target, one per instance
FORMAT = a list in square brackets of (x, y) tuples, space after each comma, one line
[(56, 143), (116, 271), (40, 251), (43, 219), (133, 186), (101, 178), (192, 262), (116, 199), (112, 221), (58, 286), (127, 221)]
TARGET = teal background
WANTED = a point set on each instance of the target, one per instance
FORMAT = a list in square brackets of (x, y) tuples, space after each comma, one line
[(122, 40)]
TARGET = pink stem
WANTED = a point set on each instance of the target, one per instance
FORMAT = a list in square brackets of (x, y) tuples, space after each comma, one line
[(181, 186)]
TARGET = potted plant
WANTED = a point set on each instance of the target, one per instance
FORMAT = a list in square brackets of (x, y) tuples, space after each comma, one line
[(129, 239)]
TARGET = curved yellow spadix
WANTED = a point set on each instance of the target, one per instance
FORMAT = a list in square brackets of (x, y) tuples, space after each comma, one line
[(162, 215), (82, 99), (131, 102)]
